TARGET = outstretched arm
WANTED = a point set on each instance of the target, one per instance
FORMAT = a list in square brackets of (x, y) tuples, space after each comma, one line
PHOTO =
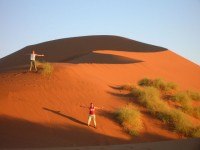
[(39, 55), (98, 107), (83, 106)]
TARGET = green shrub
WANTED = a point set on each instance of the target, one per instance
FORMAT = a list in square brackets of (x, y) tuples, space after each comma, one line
[(148, 96), (135, 92), (194, 95), (162, 85), (130, 118), (171, 86), (196, 111), (47, 69), (196, 132), (157, 83), (185, 101), (187, 106), (44, 68), (145, 82), (180, 96), (165, 116), (181, 123)]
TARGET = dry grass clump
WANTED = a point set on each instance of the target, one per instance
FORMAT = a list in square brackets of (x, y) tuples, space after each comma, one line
[(196, 112), (149, 95), (194, 95), (150, 98), (196, 132), (184, 99), (181, 122), (45, 67), (157, 83), (130, 118)]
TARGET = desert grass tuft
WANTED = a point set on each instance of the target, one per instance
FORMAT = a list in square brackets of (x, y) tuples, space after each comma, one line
[(196, 112), (150, 98), (47, 69), (157, 83), (130, 118), (183, 98), (196, 132), (194, 95), (181, 123), (145, 82)]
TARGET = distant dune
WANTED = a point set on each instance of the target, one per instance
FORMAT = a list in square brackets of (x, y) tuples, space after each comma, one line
[(64, 50), (40, 112)]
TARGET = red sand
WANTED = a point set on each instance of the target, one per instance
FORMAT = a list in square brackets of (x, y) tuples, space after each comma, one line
[(37, 111)]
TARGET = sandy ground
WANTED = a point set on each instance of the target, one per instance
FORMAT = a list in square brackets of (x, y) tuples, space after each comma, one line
[(191, 144), (45, 112)]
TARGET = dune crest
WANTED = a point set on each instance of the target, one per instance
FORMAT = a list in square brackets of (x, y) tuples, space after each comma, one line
[(38, 112), (64, 50)]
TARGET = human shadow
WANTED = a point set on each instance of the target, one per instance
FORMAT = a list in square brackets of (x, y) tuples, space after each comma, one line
[(21, 133), (65, 116)]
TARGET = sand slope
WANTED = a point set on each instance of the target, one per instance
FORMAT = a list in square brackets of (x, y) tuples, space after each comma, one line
[(63, 50), (37, 111)]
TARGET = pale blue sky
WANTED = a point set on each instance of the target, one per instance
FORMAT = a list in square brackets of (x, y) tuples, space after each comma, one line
[(173, 24)]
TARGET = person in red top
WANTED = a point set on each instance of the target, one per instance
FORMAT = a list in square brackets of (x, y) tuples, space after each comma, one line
[(92, 115)]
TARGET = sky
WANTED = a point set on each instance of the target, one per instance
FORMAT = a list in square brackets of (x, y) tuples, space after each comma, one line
[(173, 24)]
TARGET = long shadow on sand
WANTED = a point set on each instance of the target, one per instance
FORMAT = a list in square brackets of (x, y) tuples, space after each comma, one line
[(21, 133), (65, 116)]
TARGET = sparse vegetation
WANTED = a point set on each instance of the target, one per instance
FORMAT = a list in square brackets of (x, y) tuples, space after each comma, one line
[(150, 98), (196, 112), (130, 118), (145, 82), (180, 97), (185, 100), (149, 95), (157, 83), (181, 122), (194, 95), (196, 132), (45, 67)]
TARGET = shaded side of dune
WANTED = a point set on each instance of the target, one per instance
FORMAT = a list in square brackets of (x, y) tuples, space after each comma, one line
[(20, 133), (191, 144), (63, 50)]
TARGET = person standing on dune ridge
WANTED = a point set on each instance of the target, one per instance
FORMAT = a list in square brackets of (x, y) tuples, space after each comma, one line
[(32, 59)]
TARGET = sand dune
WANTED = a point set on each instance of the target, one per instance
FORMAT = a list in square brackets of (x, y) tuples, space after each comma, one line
[(70, 48), (38, 112)]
